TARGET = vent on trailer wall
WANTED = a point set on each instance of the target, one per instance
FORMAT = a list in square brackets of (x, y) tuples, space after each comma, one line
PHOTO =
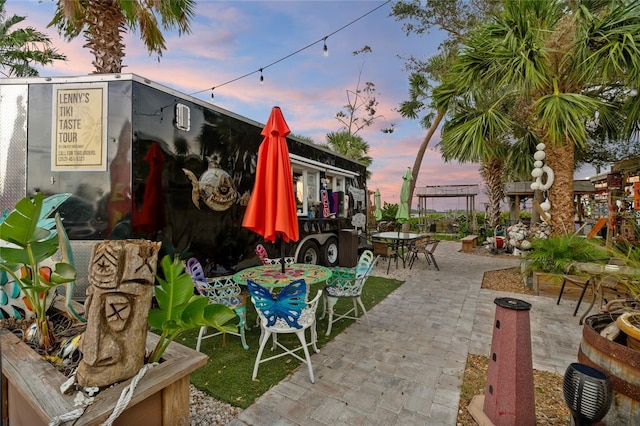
[(183, 117)]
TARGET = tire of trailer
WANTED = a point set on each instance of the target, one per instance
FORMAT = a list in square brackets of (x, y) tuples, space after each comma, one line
[(309, 253), (330, 252)]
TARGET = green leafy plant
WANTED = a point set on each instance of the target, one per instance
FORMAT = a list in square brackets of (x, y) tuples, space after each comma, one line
[(180, 310), (32, 241), (556, 254)]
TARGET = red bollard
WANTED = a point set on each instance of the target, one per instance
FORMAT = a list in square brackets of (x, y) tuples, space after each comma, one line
[(509, 396)]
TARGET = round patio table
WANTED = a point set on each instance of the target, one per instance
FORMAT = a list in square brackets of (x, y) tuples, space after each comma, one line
[(398, 239), (272, 276)]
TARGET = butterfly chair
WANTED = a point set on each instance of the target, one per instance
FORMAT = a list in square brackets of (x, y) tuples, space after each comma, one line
[(347, 283), (386, 250), (266, 260), (287, 313), (427, 248), (223, 290)]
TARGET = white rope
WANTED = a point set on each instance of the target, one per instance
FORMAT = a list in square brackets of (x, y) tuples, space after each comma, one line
[(127, 394), (71, 415)]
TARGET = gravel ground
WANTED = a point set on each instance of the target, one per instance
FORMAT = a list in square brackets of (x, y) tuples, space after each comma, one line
[(208, 411)]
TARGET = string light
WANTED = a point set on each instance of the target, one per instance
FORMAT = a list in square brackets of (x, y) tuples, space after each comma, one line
[(325, 51), (212, 89)]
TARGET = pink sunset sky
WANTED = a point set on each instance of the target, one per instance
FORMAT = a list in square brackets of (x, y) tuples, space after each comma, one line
[(232, 39)]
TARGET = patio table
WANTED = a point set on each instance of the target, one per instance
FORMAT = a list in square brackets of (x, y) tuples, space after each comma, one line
[(598, 272), (271, 276), (398, 239)]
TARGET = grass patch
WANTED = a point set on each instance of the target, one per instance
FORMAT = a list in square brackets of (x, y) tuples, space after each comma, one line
[(227, 374)]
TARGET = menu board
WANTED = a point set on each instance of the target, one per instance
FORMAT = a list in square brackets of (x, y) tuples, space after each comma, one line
[(79, 128)]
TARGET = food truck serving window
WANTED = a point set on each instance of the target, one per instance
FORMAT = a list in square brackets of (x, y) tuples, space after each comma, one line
[(309, 181)]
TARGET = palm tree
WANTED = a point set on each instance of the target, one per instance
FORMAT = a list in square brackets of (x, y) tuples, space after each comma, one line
[(104, 22), (22, 48), (479, 130), (350, 146), (454, 17), (570, 66)]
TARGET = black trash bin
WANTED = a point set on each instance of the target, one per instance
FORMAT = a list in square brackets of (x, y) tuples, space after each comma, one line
[(348, 248)]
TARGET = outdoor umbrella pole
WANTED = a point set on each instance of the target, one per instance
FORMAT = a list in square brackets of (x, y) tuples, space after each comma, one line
[(282, 254)]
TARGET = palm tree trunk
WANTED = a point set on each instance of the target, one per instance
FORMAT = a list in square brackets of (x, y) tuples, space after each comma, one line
[(423, 148), (561, 161), (491, 172)]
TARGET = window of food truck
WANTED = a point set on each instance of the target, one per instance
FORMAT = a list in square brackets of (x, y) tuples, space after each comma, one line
[(336, 184), (306, 184), (298, 184)]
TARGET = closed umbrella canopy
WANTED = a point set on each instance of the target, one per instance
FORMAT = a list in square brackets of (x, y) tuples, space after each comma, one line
[(271, 211), (376, 201), (402, 214)]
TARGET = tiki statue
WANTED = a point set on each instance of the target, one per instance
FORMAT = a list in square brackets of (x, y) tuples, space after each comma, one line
[(121, 274)]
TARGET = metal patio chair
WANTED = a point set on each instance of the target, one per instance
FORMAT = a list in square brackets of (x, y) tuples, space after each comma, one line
[(386, 250), (266, 260), (427, 248), (285, 313), (347, 283), (223, 290)]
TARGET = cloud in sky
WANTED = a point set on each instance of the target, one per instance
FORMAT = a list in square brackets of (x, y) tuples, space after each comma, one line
[(232, 39)]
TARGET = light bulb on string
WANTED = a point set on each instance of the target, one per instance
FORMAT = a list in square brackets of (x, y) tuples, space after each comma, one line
[(325, 50), (212, 89), (261, 78)]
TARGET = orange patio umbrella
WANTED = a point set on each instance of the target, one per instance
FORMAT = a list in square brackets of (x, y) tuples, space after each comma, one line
[(271, 211)]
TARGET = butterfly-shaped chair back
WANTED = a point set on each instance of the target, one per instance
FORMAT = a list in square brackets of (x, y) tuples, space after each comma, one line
[(288, 305), (270, 261), (194, 268), (262, 254), (347, 283), (289, 313), (365, 263)]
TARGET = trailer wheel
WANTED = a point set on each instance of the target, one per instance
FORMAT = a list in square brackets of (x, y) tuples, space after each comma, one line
[(330, 252), (309, 253)]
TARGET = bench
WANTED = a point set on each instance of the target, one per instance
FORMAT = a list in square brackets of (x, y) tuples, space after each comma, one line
[(468, 243)]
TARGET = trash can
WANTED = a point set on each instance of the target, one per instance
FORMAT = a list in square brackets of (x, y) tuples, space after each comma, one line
[(348, 248)]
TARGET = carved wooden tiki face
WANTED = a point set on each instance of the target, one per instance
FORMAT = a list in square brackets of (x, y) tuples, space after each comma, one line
[(121, 274)]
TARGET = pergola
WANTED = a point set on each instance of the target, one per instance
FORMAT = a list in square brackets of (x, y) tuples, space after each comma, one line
[(518, 191), (468, 192)]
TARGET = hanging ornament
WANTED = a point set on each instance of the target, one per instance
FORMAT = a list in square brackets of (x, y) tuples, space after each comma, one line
[(545, 205), (541, 169)]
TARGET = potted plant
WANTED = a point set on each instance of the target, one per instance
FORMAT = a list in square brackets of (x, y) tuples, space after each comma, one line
[(32, 385), (550, 258), (31, 239)]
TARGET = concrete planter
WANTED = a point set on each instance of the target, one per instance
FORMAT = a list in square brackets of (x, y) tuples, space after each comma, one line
[(31, 389)]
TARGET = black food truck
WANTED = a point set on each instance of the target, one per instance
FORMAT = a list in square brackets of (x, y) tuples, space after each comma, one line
[(144, 161)]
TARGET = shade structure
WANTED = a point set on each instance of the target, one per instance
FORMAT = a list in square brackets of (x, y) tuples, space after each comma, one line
[(376, 201), (271, 211), (402, 214)]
